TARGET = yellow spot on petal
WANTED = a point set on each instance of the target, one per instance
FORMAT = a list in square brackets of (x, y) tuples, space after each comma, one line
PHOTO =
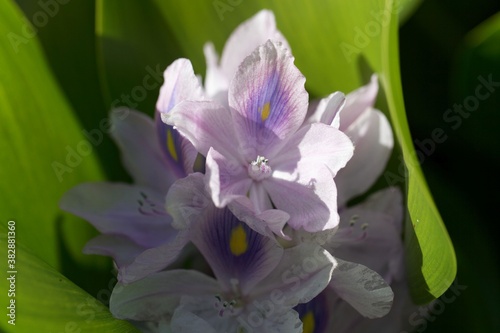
[(171, 145), (308, 323), (238, 242), (266, 110)]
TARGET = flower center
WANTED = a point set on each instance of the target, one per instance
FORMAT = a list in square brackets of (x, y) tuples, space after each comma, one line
[(259, 169), (232, 303), (228, 307)]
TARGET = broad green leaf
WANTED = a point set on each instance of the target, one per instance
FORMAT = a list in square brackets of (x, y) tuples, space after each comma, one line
[(43, 149), (68, 41), (432, 263), (337, 44), (43, 300)]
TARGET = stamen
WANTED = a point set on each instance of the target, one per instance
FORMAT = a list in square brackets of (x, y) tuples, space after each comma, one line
[(148, 207), (221, 305), (259, 168), (353, 219)]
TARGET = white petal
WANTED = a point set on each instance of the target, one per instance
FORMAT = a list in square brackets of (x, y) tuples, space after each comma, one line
[(302, 274), (215, 80), (246, 38), (358, 101), (373, 141), (328, 110), (363, 288), (179, 84)]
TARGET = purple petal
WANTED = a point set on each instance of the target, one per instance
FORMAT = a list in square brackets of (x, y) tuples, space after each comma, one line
[(265, 223), (205, 125), (313, 147), (226, 178), (311, 206), (135, 261), (178, 151), (362, 288), (303, 272), (142, 156), (259, 197), (370, 234), (316, 314), (358, 101), (122, 249), (154, 259), (238, 256), (187, 199), (372, 136), (180, 84), (269, 99), (189, 317), (246, 38), (157, 295), (121, 209)]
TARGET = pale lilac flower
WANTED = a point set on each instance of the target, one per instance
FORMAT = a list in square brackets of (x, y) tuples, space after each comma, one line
[(256, 284), (369, 130), (259, 156), (135, 228), (370, 234)]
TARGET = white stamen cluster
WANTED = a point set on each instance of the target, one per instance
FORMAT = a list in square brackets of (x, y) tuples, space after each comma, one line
[(259, 169)]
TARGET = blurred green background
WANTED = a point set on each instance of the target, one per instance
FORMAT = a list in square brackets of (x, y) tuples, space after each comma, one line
[(444, 46)]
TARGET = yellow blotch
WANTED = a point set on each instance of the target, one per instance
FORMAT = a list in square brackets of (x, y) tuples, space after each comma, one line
[(308, 323), (171, 146), (238, 242), (266, 110)]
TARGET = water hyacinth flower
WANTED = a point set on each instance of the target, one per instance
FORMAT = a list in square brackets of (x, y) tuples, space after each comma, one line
[(258, 154), (272, 163), (369, 233), (256, 282), (136, 230)]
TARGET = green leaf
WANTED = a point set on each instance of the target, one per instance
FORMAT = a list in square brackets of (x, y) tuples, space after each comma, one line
[(43, 300), (431, 256), (68, 41), (337, 44), (41, 146), (134, 34)]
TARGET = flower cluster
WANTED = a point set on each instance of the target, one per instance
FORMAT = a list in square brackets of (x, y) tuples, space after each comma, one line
[(238, 220)]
